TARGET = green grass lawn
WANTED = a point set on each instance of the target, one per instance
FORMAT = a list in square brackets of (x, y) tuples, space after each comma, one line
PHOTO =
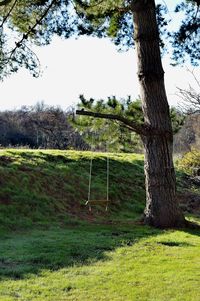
[(100, 262), (52, 248)]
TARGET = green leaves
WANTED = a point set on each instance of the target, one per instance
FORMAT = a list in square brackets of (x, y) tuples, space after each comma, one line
[(185, 41), (37, 21), (5, 2), (100, 133)]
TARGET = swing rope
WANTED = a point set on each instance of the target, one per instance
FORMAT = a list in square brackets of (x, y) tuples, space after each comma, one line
[(89, 201), (90, 180), (107, 192)]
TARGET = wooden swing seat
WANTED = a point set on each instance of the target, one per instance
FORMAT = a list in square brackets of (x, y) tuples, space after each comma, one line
[(97, 202)]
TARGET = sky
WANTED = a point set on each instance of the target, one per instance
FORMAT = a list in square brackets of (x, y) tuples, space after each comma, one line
[(88, 66)]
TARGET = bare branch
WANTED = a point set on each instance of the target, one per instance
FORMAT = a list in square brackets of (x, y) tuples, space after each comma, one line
[(194, 76), (131, 125), (190, 97)]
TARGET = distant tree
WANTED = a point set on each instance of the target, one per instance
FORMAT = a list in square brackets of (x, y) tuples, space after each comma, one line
[(39, 126), (12, 132), (190, 97), (177, 119)]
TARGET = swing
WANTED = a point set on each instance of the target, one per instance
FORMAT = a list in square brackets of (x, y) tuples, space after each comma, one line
[(104, 202)]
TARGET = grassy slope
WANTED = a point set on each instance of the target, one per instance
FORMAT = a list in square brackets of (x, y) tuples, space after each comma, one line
[(109, 258), (52, 186)]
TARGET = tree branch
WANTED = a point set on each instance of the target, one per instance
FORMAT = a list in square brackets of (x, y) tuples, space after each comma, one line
[(8, 14), (134, 126), (32, 28), (5, 2)]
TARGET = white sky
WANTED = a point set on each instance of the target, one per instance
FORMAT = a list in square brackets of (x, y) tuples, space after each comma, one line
[(88, 66)]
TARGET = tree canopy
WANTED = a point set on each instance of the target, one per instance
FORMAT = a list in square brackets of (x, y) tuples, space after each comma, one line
[(26, 21)]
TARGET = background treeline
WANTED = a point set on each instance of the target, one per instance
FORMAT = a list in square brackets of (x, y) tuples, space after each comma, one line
[(39, 126), (48, 127)]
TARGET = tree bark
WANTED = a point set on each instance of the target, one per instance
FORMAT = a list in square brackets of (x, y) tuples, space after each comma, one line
[(162, 208)]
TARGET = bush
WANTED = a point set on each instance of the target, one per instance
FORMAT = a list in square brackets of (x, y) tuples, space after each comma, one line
[(190, 162)]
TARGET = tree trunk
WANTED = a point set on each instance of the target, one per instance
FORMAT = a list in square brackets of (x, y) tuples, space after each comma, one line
[(162, 208)]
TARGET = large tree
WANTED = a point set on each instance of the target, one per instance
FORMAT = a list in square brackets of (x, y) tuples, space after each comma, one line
[(126, 22)]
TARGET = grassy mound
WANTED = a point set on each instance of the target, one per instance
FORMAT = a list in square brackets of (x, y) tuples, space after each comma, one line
[(43, 187)]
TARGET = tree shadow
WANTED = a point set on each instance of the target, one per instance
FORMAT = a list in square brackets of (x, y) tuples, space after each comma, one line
[(192, 227), (31, 252)]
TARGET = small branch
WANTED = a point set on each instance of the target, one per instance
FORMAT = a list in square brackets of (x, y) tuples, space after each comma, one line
[(96, 4), (139, 129), (32, 28), (8, 14), (194, 76), (5, 2)]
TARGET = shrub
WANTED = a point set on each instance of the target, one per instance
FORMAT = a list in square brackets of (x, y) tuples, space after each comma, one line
[(190, 162)]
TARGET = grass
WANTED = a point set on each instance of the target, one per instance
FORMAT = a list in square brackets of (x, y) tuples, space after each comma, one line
[(100, 262), (45, 187), (52, 248)]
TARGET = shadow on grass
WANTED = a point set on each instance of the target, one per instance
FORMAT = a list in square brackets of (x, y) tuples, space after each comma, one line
[(31, 252), (23, 254)]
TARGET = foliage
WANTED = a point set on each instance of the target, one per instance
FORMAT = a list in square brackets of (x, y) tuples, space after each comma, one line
[(105, 135), (97, 132), (185, 40), (27, 21), (190, 161), (43, 126), (177, 119)]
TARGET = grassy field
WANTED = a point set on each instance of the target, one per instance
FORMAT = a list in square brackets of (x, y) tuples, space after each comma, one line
[(53, 248)]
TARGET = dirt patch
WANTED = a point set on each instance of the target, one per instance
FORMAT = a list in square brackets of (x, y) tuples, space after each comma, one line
[(5, 160), (5, 200), (25, 168), (82, 212), (4, 264)]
